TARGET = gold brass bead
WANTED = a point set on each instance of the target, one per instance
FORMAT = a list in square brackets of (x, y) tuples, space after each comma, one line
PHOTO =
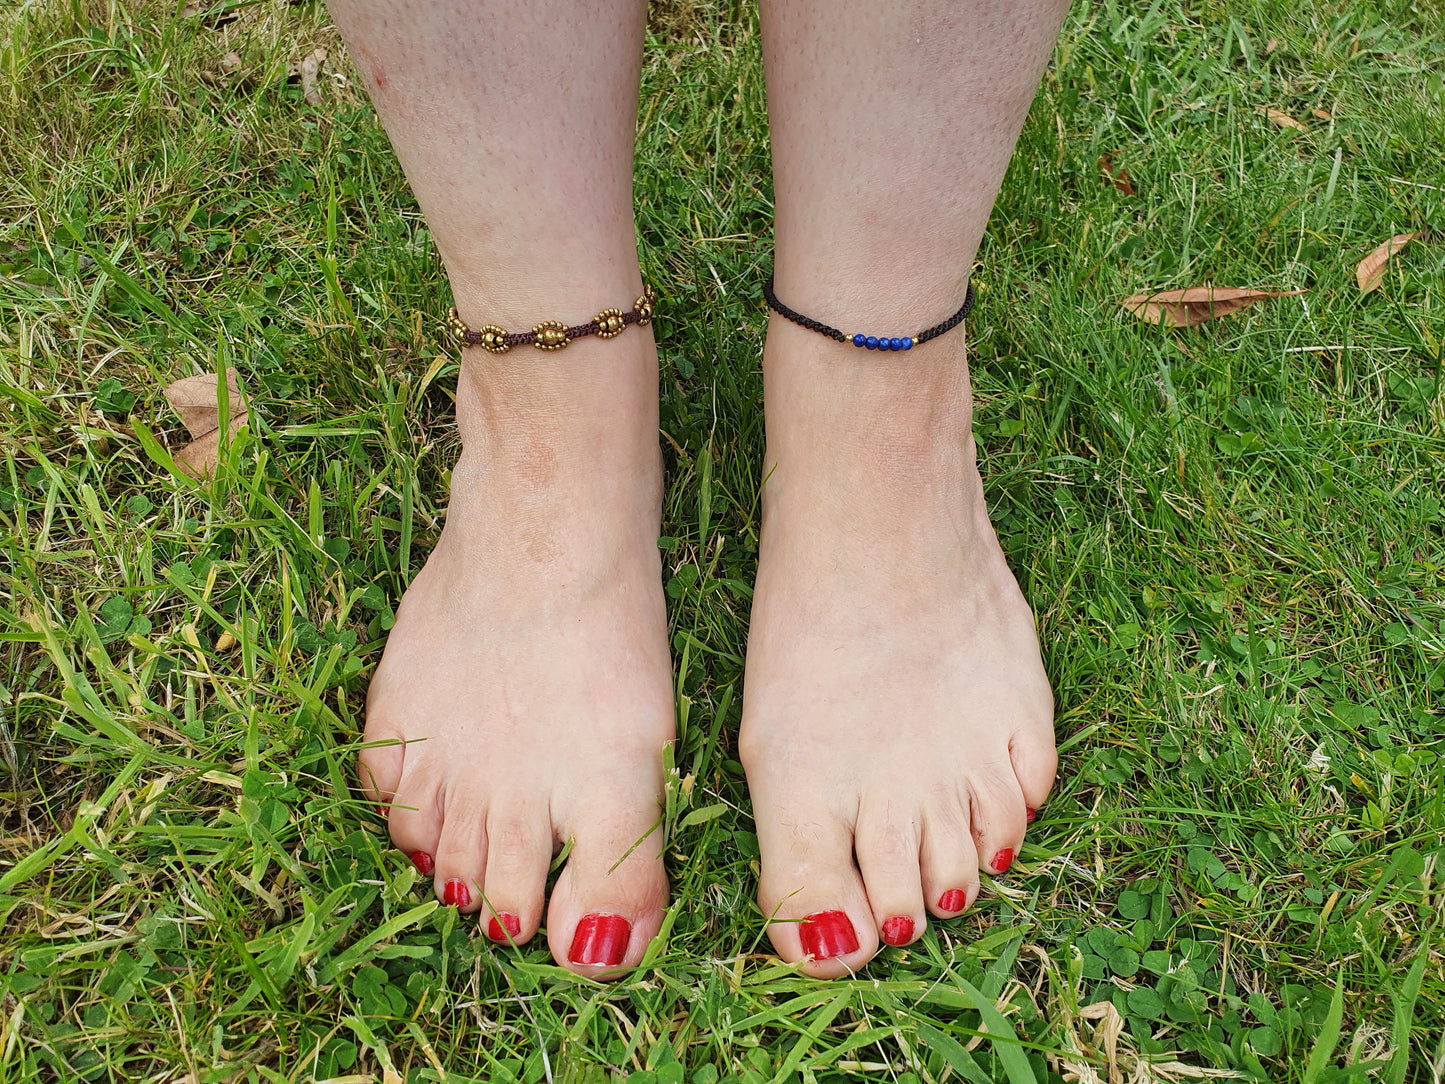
[(455, 327), (609, 323), (551, 335), (492, 339), (645, 305)]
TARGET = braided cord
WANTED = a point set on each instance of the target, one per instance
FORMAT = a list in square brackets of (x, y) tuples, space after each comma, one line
[(833, 333)]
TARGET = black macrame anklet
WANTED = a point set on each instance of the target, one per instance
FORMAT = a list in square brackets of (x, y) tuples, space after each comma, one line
[(869, 342)]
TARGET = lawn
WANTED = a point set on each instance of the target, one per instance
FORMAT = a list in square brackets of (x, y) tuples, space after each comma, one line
[(1231, 535)]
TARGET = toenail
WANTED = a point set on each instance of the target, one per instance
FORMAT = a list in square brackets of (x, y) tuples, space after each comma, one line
[(1030, 813), (504, 927), (827, 934), (898, 930), (381, 811), (952, 900), (422, 861), (456, 894), (600, 939), (1002, 860)]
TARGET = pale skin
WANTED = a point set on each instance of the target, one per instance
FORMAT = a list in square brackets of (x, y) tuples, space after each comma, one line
[(897, 722)]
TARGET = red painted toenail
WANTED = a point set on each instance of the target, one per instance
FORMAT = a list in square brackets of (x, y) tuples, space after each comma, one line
[(952, 900), (827, 934), (1030, 813), (600, 939), (456, 894), (381, 811), (422, 861), (1002, 860), (898, 930), (504, 927)]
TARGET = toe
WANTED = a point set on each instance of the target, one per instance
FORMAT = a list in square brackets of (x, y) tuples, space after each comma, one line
[(519, 850), (998, 817), (1035, 761), (949, 857), (608, 902), (379, 767), (415, 823), (887, 846), (811, 892), (461, 854)]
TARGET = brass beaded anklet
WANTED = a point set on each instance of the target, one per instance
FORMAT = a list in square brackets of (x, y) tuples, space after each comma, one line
[(553, 334)]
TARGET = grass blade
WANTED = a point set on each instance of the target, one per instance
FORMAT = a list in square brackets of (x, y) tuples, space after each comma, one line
[(1404, 1016), (1329, 1035), (1005, 1042)]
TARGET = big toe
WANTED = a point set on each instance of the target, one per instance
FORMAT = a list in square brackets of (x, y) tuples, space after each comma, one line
[(811, 892), (608, 903)]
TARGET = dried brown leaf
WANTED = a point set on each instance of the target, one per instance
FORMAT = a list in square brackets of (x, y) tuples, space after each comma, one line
[(231, 61), (1270, 46), (194, 399), (1196, 305), (1119, 178), (1284, 120), (310, 69), (1371, 270), (198, 458), (1320, 114)]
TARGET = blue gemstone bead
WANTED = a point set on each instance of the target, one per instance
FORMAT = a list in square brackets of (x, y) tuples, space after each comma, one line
[(895, 344), (871, 343), (859, 339), (908, 344)]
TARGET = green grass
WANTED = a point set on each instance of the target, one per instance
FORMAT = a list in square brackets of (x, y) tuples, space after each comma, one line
[(1232, 537)]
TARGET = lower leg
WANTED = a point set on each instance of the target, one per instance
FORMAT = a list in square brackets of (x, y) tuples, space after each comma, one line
[(527, 673), (896, 706)]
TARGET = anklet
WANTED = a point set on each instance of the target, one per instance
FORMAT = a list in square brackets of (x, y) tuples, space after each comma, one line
[(553, 334), (870, 342)]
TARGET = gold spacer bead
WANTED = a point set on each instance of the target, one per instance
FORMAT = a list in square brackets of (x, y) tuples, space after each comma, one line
[(551, 335), (645, 305), (455, 327), (492, 337), (609, 323)]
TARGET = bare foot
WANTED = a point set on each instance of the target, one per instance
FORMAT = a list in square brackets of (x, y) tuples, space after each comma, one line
[(898, 725), (528, 671)]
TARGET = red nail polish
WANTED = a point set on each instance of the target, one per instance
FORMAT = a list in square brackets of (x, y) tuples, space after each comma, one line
[(504, 926), (898, 930), (952, 900), (1002, 860), (456, 894), (422, 861), (381, 811), (1030, 813), (827, 934), (600, 939)]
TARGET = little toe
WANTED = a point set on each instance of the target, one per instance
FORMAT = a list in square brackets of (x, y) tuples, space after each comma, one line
[(949, 860), (1034, 762), (887, 850), (519, 850), (461, 855), (812, 894), (608, 902), (998, 818), (414, 822), (379, 769)]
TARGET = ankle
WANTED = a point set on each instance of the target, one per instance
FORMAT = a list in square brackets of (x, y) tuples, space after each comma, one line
[(903, 418), (593, 404)]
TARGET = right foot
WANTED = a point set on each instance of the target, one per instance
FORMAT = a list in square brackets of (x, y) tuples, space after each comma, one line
[(528, 673)]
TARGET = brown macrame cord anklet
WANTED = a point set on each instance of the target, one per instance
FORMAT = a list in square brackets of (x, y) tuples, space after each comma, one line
[(553, 334)]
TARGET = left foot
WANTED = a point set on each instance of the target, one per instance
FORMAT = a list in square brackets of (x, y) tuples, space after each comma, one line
[(898, 724)]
